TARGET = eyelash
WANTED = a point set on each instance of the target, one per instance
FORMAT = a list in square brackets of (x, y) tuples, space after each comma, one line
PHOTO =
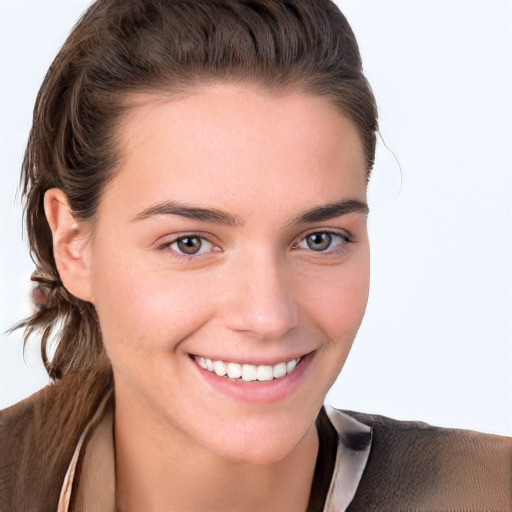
[(342, 241)]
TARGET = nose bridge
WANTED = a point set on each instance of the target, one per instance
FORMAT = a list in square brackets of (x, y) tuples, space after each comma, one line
[(261, 301)]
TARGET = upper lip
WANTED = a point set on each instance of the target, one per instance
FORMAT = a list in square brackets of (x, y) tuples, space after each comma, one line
[(256, 361)]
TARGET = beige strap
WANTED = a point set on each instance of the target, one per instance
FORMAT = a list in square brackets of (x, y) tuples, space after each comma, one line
[(351, 459), (98, 464)]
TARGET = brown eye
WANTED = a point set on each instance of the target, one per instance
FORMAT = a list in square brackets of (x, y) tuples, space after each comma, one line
[(319, 241), (189, 244), (189, 247)]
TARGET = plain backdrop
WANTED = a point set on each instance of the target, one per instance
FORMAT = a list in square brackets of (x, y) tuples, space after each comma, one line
[(436, 343)]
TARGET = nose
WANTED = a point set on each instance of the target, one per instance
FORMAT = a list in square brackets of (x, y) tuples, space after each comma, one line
[(260, 299)]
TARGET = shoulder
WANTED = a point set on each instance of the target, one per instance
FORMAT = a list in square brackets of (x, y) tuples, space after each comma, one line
[(22, 432), (415, 466), (37, 439)]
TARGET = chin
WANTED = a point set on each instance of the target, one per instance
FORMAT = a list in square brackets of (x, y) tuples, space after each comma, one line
[(260, 444), (259, 452)]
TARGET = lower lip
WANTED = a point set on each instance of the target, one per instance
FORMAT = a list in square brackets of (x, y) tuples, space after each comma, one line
[(265, 392)]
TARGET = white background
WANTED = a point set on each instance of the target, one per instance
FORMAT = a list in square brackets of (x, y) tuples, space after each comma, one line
[(436, 343)]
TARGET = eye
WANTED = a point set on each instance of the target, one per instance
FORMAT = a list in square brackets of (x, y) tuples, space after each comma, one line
[(323, 241), (319, 241), (190, 245)]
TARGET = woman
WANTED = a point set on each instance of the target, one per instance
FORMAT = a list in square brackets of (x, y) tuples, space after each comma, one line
[(196, 205)]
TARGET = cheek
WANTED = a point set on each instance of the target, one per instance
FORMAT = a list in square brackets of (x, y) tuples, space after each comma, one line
[(337, 301), (146, 309), (338, 313)]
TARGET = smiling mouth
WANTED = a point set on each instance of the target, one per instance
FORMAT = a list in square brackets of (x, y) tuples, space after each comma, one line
[(247, 372)]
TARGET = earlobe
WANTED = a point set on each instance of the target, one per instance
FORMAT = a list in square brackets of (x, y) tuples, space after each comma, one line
[(70, 245)]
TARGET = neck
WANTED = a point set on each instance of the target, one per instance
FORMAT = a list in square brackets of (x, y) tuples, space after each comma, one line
[(160, 470)]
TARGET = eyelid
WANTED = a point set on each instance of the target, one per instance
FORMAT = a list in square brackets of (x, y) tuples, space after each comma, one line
[(328, 231)]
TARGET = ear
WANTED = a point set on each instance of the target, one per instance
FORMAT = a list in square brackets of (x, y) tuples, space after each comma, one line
[(71, 248)]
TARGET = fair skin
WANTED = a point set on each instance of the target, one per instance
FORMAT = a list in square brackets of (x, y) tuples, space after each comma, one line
[(267, 193)]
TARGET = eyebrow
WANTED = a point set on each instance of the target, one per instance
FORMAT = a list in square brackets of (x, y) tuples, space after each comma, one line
[(190, 212), (316, 214), (331, 211)]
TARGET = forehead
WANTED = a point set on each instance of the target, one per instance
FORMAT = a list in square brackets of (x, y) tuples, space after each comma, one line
[(229, 142)]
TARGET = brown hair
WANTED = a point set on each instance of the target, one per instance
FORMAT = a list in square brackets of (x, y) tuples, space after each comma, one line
[(121, 47)]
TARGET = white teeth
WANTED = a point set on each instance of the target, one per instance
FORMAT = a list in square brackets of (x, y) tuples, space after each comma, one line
[(290, 365), (247, 372), (264, 373), (234, 370), (279, 370), (219, 367)]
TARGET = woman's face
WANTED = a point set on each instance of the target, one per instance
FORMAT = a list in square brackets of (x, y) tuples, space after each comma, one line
[(234, 238)]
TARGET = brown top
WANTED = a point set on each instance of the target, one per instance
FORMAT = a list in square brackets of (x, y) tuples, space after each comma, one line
[(411, 466), (89, 483)]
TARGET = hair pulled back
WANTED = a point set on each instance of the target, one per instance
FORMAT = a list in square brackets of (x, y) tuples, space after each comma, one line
[(122, 47)]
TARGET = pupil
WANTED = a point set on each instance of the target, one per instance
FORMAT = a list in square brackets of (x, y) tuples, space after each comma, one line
[(189, 245), (319, 241)]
